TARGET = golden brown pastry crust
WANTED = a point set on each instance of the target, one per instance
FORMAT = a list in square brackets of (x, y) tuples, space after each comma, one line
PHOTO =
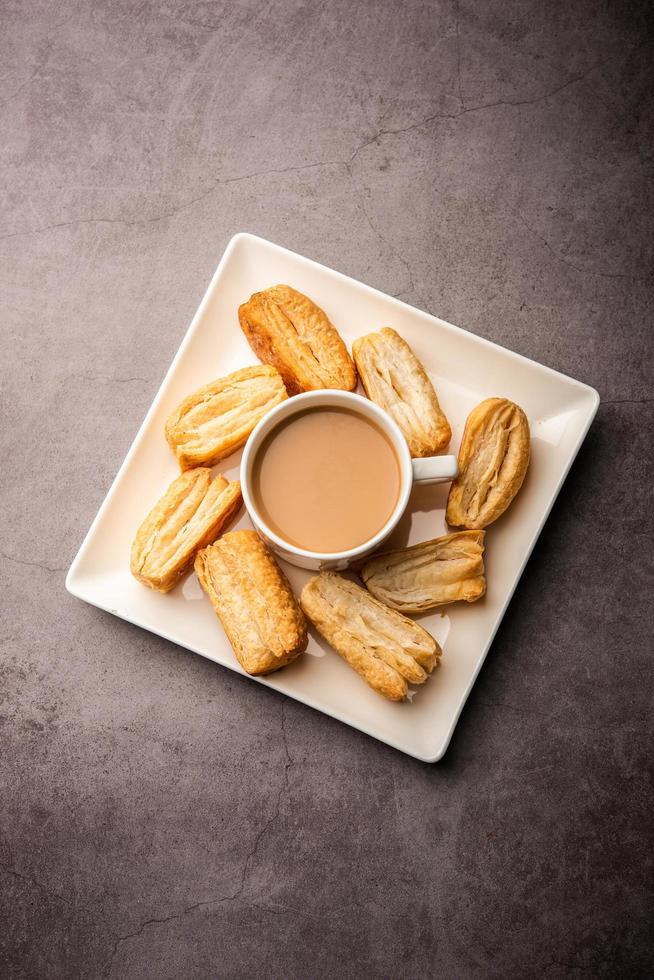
[(253, 600), (493, 461), (217, 419), (190, 515), (385, 648), (447, 569), (287, 329), (394, 379)]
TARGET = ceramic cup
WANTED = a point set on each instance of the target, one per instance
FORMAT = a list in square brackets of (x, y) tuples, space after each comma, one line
[(433, 469)]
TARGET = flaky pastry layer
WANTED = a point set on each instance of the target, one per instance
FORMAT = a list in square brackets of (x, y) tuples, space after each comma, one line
[(253, 600), (286, 329), (394, 379), (385, 648), (190, 515), (218, 418), (493, 461), (433, 573)]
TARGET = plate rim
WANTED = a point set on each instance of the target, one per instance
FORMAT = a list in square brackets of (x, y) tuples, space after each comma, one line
[(73, 587)]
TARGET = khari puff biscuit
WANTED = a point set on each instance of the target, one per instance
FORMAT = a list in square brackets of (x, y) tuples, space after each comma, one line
[(430, 574), (388, 650), (190, 515), (253, 600), (493, 460), (217, 419), (287, 329), (394, 379)]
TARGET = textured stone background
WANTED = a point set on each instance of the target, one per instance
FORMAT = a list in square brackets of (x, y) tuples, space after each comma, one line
[(489, 162)]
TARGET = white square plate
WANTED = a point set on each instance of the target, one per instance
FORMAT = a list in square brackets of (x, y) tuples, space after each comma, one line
[(465, 369)]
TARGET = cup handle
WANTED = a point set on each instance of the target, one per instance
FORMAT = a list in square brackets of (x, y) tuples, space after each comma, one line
[(435, 469)]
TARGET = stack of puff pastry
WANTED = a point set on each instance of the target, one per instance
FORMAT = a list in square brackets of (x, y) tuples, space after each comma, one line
[(301, 350), (366, 624)]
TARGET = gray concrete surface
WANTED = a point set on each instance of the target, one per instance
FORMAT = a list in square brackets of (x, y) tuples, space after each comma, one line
[(491, 163)]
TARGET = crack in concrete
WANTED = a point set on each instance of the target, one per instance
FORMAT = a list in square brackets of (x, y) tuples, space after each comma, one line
[(535, 101), (30, 880), (421, 123), (67, 224), (626, 401), (410, 287), (577, 268), (32, 564), (132, 935), (283, 790), (132, 222), (297, 168), (270, 909), (458, 54), (347, 164), (103, 380)]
